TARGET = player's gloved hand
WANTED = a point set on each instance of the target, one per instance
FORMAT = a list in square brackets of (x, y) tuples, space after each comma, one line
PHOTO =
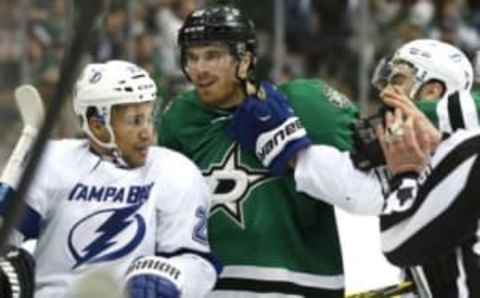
[(367, 152), (17, 278), (154, 277), (266, 124)]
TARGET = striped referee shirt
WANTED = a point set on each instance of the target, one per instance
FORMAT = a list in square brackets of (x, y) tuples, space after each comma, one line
[(431, 222)]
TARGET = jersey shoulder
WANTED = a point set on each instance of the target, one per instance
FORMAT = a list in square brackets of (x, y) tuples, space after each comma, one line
[(185, 112), (327, 115), (315, 90), (453, 142), (171, 166), (64, 152), (177, 177), (184, 103)]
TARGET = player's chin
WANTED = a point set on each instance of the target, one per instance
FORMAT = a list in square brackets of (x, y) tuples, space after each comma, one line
[(208, 95), (138, 158)]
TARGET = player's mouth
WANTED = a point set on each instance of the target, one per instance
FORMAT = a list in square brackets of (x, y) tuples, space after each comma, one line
[(142, 150), (205, 84)]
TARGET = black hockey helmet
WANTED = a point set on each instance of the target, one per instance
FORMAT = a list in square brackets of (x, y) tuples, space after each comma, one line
[(226, 24)]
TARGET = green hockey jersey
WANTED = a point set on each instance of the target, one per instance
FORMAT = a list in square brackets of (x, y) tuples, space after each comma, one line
[(270, 238)]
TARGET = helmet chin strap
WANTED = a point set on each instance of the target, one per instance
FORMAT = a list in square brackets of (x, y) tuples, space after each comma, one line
[(415, 89), (114, 153)]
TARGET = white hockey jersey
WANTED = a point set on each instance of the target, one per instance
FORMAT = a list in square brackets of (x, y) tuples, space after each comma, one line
[(89, 214)]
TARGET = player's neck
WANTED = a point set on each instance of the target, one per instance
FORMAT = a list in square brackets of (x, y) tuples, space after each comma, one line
[(234, 100), (99, 150)]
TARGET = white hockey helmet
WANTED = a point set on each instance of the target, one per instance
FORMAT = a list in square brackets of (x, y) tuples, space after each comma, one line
[(103, 85), (436, 60)]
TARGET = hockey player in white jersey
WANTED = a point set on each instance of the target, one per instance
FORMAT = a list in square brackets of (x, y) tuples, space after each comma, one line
[(113, 202)]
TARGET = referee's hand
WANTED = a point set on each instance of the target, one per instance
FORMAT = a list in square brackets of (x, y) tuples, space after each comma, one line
[(427, 135), (400, 144)]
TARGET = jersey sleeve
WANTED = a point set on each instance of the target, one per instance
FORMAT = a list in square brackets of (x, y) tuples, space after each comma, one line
[(167, 125), (165, 136), (432, 214), (182, 234), (182, 223), (37, 201), (325, 172)]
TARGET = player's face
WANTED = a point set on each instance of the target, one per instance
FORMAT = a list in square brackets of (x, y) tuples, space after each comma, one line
[(212, 70), (402, 77), (133, 128)]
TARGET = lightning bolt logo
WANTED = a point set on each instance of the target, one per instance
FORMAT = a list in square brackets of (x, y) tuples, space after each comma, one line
[(101, 248)]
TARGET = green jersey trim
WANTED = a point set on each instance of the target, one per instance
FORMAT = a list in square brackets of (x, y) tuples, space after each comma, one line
[(283, 275), (248, 288)]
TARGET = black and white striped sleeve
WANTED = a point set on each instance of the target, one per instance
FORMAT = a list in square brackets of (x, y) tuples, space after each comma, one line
[(431, 214), (457, 111)]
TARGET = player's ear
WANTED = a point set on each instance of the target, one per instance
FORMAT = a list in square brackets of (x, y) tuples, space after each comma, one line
[(244, 65), (432, 90)]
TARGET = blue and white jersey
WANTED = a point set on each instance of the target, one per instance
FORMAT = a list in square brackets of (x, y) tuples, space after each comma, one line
[(89, 214)]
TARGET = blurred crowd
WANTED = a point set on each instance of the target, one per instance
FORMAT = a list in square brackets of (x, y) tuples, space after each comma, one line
[(323, 38)]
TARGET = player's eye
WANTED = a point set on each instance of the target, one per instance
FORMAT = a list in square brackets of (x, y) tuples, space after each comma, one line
[(397, 79), (214, 55), (136, 120), (191, 58)]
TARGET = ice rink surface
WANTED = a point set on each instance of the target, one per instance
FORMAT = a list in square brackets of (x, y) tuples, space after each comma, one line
[(365, 266)]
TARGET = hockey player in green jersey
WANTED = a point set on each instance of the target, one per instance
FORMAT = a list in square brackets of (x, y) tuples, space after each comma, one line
[(271, 239)]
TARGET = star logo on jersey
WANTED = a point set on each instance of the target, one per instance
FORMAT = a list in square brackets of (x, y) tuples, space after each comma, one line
[(231, 183), (119, 231)]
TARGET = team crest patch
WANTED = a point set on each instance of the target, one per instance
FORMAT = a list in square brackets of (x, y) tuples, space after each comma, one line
[(337, 98), (100, 244), (231, 183)]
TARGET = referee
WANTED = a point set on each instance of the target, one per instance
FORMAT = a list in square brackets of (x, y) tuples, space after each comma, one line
[(431, 219)]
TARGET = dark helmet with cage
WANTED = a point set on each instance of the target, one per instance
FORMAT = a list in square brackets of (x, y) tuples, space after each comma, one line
[(226, 24)]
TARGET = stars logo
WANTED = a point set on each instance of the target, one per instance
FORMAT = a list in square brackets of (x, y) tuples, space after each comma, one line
[(231, 183)]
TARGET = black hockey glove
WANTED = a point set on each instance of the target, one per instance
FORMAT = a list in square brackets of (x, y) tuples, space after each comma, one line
[(367, 152), (17, 278)]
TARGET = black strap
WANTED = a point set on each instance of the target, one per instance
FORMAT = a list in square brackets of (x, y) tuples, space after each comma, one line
[(455, 111)]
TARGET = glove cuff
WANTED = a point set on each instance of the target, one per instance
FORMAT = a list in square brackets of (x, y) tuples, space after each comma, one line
[(157, 266), (279, 165), (270, 144)]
